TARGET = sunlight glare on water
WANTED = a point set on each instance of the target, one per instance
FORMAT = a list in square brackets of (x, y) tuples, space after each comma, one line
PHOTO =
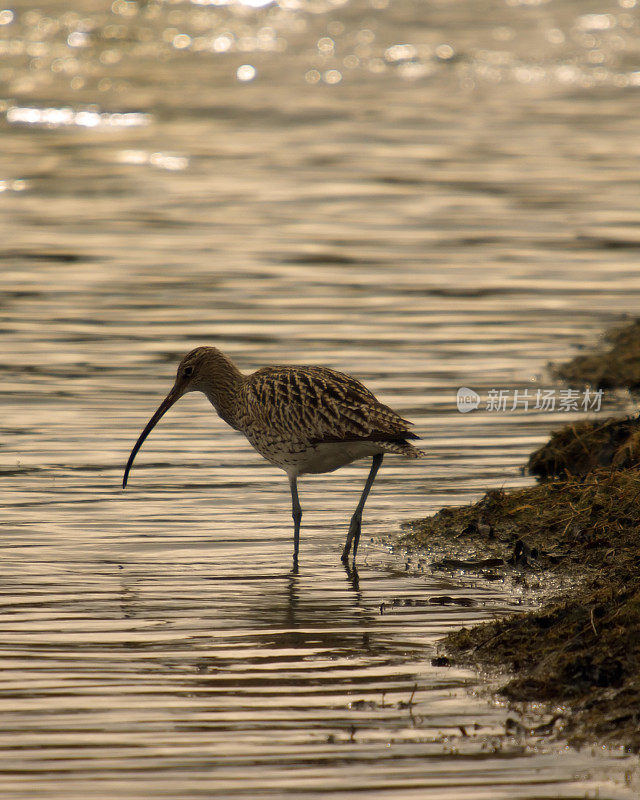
[(424, 195)]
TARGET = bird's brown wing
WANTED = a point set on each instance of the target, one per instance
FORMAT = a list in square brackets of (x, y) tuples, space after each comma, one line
[(317, 405)]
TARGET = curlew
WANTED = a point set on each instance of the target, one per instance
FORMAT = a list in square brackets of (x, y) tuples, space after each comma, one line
[(305, 420)]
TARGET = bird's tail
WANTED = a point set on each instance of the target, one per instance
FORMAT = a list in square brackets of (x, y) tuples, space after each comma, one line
[(403, 448)]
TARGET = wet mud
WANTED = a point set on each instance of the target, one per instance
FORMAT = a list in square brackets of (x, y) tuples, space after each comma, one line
[(577, 529)]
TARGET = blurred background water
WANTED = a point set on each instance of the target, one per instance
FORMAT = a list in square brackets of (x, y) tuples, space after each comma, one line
[(426, 195)]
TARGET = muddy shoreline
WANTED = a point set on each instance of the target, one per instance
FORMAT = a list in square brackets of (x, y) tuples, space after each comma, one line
[(580, 525)]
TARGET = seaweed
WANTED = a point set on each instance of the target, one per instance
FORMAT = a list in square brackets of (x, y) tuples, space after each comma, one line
[(615, 365), (582, 649), (581, 447)]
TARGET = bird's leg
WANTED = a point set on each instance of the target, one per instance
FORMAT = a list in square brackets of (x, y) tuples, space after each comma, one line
[(296, 513), (356, 519)]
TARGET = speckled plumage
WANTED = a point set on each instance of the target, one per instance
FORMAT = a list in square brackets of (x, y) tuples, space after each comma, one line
[(303, 419)]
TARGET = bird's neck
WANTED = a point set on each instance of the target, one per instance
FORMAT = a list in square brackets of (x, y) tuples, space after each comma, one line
[(223, 388)]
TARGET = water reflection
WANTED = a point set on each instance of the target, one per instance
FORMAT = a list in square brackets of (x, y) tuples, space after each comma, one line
[(290, 624), (220, 675), (83, 118)]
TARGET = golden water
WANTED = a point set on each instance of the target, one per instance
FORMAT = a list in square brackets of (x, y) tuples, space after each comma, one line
[(426, 195)]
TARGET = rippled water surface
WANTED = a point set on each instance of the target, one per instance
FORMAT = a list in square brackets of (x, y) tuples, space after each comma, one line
[(425, 194)]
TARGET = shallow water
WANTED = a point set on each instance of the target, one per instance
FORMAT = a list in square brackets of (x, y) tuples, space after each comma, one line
[(426, 195)]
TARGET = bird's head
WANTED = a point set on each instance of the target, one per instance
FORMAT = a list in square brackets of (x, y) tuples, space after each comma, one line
[(198, 371), (194, 372)]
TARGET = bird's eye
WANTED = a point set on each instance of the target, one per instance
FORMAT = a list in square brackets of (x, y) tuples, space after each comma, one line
[(188, 372)]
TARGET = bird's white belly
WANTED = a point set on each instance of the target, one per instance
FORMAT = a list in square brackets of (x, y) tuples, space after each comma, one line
[(313, 459), (333, 455)]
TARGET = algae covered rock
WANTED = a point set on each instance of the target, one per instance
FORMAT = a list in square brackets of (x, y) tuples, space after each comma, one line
[(579, 448), (616, 365)]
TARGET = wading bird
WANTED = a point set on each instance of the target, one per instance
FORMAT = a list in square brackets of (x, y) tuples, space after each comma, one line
[(305, 420)]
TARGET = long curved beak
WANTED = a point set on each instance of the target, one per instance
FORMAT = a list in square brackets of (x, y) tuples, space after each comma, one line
[(164, 406)]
